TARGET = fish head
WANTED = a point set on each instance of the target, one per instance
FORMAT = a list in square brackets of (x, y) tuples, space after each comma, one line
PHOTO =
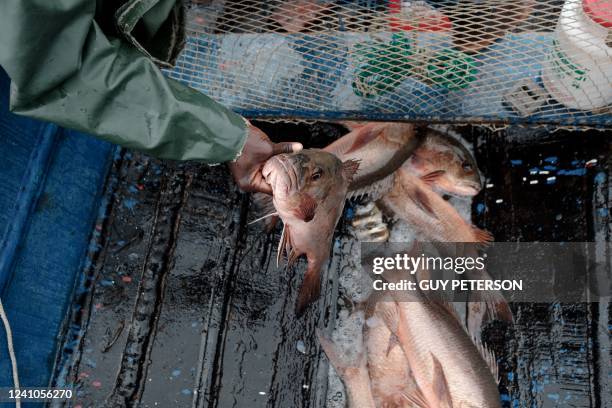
[(442, 153), (463, 176), (302, 182)]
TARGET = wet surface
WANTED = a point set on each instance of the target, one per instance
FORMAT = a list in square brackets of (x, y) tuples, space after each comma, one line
[(557, 190), (182, 303)]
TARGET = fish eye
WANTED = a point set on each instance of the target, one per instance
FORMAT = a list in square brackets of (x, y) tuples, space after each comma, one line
[(316, 174), (467, 166)]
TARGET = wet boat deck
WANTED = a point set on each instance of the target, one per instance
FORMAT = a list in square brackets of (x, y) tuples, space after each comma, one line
[(181, 302)]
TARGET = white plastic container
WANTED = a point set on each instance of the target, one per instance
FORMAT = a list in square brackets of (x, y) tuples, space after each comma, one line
[(578, 69)]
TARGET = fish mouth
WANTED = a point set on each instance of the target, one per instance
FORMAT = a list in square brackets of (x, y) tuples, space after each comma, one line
[(469, 188), (281, 174)]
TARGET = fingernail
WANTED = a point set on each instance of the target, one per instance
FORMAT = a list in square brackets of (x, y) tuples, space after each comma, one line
[(296, 147)]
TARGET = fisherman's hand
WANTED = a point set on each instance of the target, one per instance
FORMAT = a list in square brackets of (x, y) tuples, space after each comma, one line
[(258, 148)]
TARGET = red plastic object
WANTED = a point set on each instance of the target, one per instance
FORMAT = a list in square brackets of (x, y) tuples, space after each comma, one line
[(600, 11)]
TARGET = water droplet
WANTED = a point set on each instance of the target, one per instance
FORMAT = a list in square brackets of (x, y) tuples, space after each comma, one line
[(301, 347)]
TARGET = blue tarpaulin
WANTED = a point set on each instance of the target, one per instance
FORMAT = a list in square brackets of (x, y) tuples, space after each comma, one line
[(50, 186)]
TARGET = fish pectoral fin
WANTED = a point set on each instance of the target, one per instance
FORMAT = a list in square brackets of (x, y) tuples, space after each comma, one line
[(306, 209), (389, 313), (349, 169), (310, 289), (493, 304), (422, 201), (481, 236), (431, 178), (364, 135), (440, 385), (393, 341), (496, 307), (284, 245), (292, 257), (416, 399), (488, 356)]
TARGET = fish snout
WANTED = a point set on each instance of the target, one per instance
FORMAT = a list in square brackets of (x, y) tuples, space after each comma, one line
[(470, 188), (279, 174), (268, 169), (274, 164)]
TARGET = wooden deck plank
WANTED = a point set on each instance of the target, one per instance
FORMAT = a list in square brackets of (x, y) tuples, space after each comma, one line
[(185, 345)]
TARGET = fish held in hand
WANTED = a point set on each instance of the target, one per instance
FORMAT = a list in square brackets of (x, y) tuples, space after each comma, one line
[(380, 147), (445, 163), (309, 190)]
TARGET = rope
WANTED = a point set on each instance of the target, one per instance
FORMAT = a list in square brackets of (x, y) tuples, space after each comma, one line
[(11, 350)]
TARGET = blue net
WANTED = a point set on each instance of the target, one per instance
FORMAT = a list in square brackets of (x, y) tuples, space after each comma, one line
[(525, 61)]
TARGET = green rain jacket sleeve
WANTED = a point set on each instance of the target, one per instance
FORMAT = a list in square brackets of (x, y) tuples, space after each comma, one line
[(63, 69)]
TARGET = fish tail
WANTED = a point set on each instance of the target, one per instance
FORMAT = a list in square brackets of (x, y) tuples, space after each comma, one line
[(343, 366), (310, 289), (492, 304), (390, 315), (496, 307), (483, 237)]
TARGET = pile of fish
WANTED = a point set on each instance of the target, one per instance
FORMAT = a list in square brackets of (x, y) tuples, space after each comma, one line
[(416, 353), (398, 164)]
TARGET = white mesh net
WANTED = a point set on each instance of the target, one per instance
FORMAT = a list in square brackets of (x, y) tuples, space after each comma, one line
[(479, 61)]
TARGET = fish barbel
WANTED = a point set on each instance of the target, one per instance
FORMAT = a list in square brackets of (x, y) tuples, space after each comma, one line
[(309, 190)]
